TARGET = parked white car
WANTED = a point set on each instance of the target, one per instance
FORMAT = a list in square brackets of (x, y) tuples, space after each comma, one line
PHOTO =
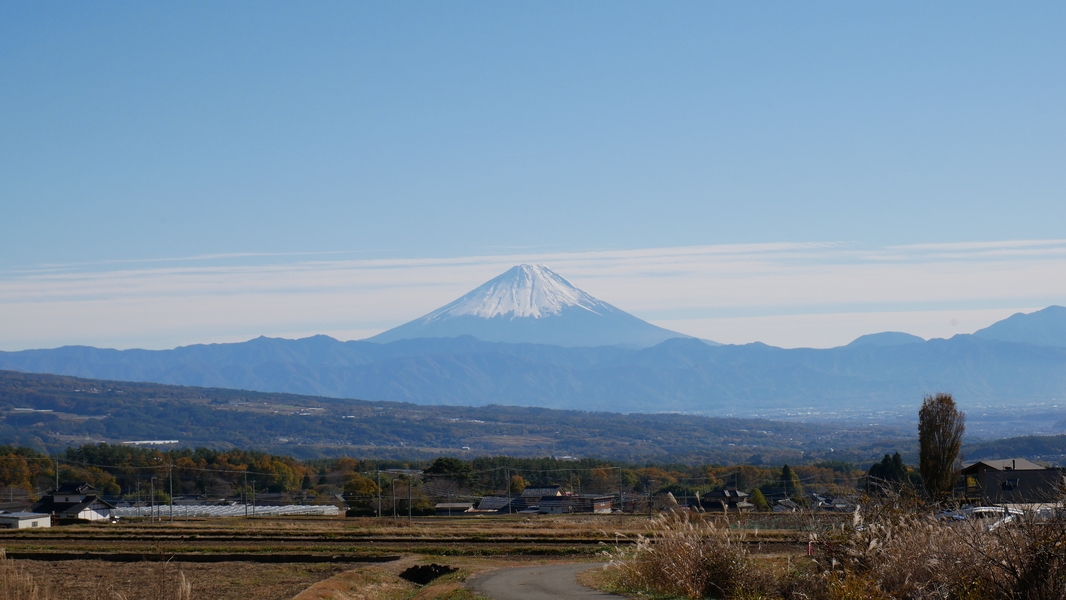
[(995, 516)]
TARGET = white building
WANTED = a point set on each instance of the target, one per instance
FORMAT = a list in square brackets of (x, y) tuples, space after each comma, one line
[(75, 501), (24, 520)]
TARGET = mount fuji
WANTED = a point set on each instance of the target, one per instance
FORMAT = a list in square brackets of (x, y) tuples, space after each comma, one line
[(533, 304)]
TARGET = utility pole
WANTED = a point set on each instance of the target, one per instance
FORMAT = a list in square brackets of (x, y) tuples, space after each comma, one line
[(507, 482), (152, 505), (392, 484), (57, 472), (408, 497), (253, 497), (379, 494), (244, 493), (170, 473), (621, 498)]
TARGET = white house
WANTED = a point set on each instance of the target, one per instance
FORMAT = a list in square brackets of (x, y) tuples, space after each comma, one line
[(24, 520), (75, 501)]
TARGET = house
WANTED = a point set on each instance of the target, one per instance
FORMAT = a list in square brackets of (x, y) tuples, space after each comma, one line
[(452, 509), (577, 503), (556, 505), (75, 501), (496, 504), (597, 504), (725, 501), (787, 505), (536, 493), (532, 497), (1013, 480), (827, 502), (24, 520)]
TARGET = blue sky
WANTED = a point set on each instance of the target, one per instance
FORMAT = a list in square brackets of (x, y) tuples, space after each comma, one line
[(286, 137)]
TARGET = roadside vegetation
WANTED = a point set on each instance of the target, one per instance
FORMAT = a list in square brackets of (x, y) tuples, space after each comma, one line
[(896, 547), (902, 543)]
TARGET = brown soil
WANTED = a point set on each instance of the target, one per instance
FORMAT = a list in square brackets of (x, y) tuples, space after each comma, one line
[(97, 580)]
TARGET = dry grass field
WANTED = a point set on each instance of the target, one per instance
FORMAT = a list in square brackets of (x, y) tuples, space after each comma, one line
[(473, 544), (99, 580)]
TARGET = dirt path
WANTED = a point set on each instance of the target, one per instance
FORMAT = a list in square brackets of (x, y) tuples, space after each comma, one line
[(543, 582)]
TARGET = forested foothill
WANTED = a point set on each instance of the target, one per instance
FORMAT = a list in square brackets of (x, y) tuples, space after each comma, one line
[(49, 412)]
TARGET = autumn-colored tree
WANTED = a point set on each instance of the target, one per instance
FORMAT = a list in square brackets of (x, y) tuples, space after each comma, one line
[(602, 481), (346, 465), (940, 429), (15, 472), (363, 487)]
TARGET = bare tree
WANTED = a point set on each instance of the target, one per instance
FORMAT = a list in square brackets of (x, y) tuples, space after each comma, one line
[(940, 428)]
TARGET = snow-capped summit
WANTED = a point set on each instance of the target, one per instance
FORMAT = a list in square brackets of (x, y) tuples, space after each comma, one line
[(532, 303), (523, 291)]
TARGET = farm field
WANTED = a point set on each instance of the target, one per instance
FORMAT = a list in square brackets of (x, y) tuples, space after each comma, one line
[(132, 559)]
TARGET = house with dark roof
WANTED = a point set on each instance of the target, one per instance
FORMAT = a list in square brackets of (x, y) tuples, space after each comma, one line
[(537, 493), (1013, 480), (79, 501), (725, 501), (575, 503), (452, 509), (496, 504)]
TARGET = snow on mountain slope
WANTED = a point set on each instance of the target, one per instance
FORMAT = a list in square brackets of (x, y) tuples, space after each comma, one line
[(523, 291), (532, 304)]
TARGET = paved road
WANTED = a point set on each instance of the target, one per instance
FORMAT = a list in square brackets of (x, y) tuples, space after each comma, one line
[(545, 582)]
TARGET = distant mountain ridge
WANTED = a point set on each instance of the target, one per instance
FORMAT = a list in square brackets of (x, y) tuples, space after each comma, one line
[(532, 304), (1045, 327), (679, 374), (682, 374), (887, 338)]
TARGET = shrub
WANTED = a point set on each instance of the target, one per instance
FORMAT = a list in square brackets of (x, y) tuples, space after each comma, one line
[(690, 557)]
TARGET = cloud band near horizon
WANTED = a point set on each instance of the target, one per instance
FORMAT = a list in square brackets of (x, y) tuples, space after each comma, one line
[(784, 294)]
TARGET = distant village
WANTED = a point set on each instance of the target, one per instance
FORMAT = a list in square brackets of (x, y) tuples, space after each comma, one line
[(1011, 484)]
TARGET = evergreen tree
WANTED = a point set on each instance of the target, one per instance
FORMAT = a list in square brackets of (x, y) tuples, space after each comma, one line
[(790, 483), (890, 469), (759, 500)]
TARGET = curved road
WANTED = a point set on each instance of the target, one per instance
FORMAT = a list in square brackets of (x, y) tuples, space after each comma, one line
[(544, 582)]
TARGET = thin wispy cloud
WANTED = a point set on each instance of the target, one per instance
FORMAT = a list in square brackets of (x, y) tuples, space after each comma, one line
[(791, 294)]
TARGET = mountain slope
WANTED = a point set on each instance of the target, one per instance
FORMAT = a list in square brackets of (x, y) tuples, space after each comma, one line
[(681, 374), (48, 412), (532, 304), (1045, 327)]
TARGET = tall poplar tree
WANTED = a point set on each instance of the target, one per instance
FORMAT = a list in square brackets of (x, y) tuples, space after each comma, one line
[(940, 429)]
